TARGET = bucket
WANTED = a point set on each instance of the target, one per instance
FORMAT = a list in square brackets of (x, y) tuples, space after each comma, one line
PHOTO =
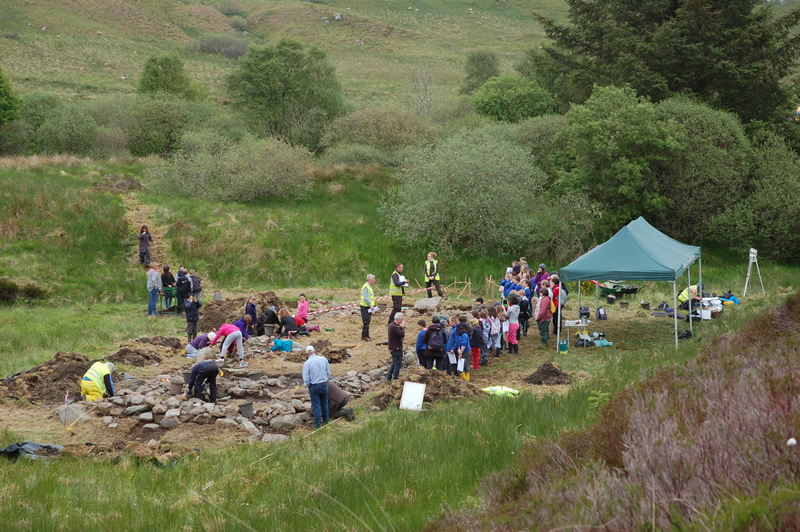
[(246, 410), (382, 307), (624, 304), (217, 296), (563, 346), (175, 387), (269, 329), (611, 299), (187, 376), (646, 305)]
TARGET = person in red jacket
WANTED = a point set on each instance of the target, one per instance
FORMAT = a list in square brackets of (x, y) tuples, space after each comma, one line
[(545, 315)]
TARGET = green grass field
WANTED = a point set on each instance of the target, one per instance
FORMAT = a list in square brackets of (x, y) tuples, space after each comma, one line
[(375, 46)]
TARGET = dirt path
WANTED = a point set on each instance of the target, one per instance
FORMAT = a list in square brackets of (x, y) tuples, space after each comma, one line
[(138, 214)]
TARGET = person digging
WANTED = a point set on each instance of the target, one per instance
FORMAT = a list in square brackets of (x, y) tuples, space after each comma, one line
[(337, 399), (97, 381)]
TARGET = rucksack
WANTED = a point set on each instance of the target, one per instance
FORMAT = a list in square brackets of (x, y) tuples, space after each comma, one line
[(524, 309), (184, 284), (601, 314), (196, 286), (436, 340), (562, 297)]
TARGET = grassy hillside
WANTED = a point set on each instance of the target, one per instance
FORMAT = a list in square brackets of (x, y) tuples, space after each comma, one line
[(95, 47)]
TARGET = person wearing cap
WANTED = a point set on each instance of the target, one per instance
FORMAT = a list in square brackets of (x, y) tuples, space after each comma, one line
[(316, 374), (97, 381), (367, 306), (193, 347), (205, 371)]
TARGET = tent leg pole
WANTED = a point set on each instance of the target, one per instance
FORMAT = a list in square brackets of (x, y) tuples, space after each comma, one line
[(596, 297), (691, 301), (675, 311), (579, 299), (560, 310)]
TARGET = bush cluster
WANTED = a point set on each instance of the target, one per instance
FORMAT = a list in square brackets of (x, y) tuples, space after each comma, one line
[(381, 127), (225, 45), (208, 165)]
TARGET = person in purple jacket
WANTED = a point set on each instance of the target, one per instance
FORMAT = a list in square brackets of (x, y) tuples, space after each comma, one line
[(203, 340)]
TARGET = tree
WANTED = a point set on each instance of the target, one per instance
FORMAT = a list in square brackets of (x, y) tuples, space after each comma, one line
[(382, 127), (481, 66), (712, 172), (732, 54), (165, 73), (288, 90), (9, 103), (513, 98), (155, 124), (614, 149), (565, 85), (769, 218), (37, 107), (70, 130), (474, 191), (425, 92)]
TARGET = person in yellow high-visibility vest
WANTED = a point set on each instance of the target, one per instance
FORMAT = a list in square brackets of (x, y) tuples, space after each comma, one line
[(397, 287), (689, 293), (367, 306), (97, 381), (432, 275)]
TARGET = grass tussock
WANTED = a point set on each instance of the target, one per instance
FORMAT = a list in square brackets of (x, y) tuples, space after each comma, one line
[(35, 162), (672, 450)]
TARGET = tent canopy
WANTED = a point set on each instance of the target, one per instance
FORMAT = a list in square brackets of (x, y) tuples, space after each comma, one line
[(637, 251)]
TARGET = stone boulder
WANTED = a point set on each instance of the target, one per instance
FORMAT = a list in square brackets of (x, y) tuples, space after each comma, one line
[(428, 305), (170, 423), (285, 422), (274, 438)]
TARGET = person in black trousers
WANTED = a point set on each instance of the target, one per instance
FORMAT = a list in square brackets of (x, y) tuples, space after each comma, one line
[(397, 287), (202, 372)]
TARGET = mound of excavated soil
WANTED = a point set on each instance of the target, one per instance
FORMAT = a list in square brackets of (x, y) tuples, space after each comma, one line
[(215, 313), (163, 341), (324, 348), (548, 374), (48, 382), (439, 386), (146, 351)]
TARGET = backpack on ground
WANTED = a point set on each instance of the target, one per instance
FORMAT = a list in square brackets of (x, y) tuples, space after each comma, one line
[(436, 340), (601, 314)]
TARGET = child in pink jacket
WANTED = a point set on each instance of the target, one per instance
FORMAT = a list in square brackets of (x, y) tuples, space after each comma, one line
[(302, 308)]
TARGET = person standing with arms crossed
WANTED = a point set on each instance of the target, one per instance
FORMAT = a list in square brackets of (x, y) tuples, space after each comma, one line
[(153, 288), (397, 287), (432, 275)]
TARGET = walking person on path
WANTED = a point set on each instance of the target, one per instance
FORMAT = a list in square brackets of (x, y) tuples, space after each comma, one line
[(153, 288), (367, 306), (144, 246), (316, 374)]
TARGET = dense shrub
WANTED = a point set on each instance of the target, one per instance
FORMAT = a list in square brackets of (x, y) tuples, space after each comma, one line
[(208, 165), (481, 66), (382, 127), (287, 90), (9, 102), (155, 123), (225, 45), (475, 189), (165, 73), (70, 130), (538, 135), (238, 23), (357, 154), (614, 149), (37, 107), (231, 7), (262, 168), (710, 173), (513, 98), (16, 138), (769, 218), (11, 291), (108, 110), (111, 142)]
